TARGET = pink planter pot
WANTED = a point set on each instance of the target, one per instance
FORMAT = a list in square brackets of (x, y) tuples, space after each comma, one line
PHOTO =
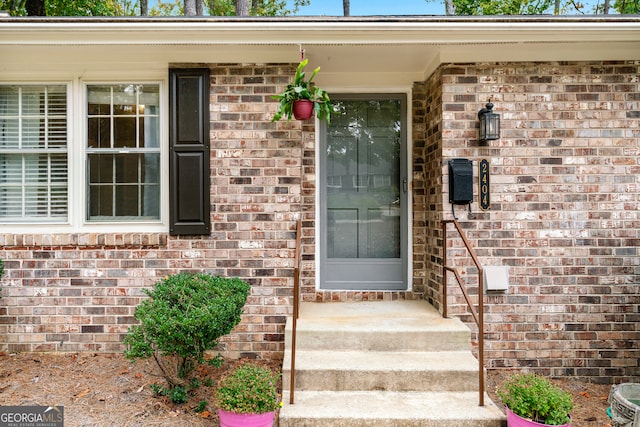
[(302, 109), (231, 419), (514, 420)]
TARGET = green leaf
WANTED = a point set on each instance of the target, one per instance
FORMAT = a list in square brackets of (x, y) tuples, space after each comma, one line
[(303, 89), (248, 389), (184, 317), (536, 398)]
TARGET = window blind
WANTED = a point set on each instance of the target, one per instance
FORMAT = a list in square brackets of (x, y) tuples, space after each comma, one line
[(33, 153)]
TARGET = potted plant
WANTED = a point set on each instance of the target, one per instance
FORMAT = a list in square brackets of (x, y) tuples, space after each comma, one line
[(247, 396), (301, 98), (532, 400)]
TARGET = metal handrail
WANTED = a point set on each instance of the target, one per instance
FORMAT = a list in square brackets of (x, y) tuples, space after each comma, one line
[(296, 311), (477, 316)]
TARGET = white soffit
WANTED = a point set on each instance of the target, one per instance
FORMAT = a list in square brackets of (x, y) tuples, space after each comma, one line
[(408, 48)]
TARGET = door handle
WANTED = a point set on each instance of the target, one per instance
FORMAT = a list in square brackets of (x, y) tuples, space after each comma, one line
[(405, 185)]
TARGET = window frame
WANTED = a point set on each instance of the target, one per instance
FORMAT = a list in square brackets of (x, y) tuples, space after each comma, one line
[(110, 226), (46, 151), (77, 127), (114, 150)]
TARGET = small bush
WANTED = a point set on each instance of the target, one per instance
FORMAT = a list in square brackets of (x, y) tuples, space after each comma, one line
[(248, 389), (178, 395), (184, 317), (536, 398)]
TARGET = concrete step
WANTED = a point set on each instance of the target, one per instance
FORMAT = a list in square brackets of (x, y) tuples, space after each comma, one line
[(383, 364), (397, 371), (377, 326), (388, 409)]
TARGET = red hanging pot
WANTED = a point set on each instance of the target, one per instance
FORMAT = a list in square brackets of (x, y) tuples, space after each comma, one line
[(302, 109)]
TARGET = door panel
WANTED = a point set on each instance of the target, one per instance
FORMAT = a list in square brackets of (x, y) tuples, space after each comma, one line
[(363, 199)]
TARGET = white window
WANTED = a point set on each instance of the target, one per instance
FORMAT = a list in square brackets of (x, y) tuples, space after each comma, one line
[(33, 153), (82, 156), (123, 152)]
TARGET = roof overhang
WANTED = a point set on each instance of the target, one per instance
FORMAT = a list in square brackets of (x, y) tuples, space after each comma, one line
[(353, 51)]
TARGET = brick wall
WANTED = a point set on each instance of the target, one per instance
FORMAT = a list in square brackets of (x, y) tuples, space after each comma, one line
[(79, 292), (565, 190), (427, 188), (564, 218)]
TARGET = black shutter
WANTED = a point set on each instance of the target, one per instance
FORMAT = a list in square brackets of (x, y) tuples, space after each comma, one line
[(189, 151)]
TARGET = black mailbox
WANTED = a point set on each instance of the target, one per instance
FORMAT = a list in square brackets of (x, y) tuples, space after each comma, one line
[(460, 181), (460, 184)]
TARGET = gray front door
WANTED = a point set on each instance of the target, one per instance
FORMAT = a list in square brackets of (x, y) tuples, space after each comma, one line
[(363, 194)]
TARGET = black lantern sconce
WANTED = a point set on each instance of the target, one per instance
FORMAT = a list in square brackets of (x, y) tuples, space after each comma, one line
[(489, 123)]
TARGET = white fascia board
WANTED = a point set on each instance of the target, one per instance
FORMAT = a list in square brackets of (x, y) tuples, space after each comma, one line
[(313, 33)]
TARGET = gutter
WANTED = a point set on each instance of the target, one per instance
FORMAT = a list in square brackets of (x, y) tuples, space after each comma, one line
[(327, 19), (386, 30)]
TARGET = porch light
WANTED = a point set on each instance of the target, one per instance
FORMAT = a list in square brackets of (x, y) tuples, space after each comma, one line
[(489, 123)]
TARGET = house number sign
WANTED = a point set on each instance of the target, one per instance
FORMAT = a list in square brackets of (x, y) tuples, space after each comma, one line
[(483, 184)]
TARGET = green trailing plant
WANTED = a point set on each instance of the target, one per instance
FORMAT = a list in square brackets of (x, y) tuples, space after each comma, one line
[(182, 319), (302, 89), (536, 398), (248, 389)]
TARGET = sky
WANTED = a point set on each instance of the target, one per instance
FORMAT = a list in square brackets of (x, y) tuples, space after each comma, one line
[(378, 7), (386, 7), (373, 7)]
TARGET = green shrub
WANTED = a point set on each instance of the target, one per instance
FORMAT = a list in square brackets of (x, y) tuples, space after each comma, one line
[(248, 389), (184, 317), (178, 395), (536, 398)]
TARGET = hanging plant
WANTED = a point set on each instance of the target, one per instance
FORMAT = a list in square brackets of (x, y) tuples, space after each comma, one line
[(302, 91)]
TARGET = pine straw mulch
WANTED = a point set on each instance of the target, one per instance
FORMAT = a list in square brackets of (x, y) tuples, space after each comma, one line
[(106, 389), (109, 390)]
